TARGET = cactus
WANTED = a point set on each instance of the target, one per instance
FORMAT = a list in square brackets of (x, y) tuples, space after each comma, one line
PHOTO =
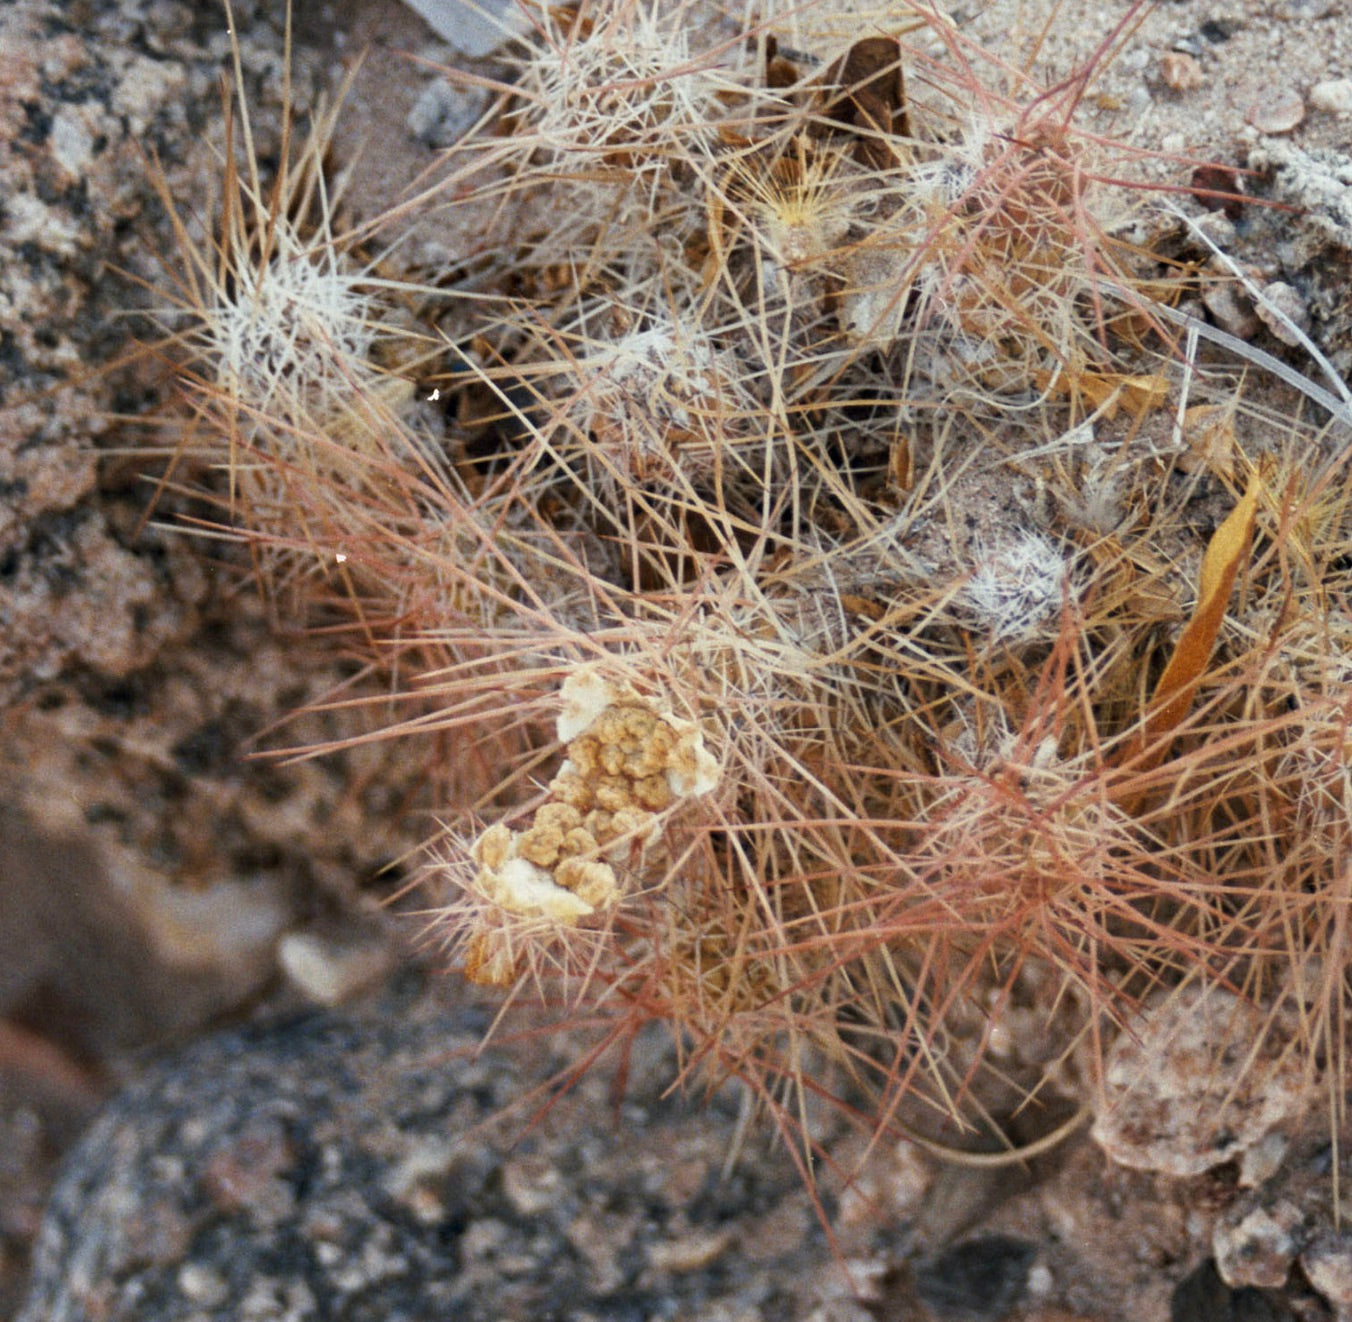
[(810, 557)]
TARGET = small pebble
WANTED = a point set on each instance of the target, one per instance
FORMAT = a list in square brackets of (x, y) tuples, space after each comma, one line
[(1218, 228), (1261, 1162), (1333, 96), (328, 972), (1231, 309), (692, 1252), (532, 1184), (1283, 311), (443, 113), (1257, 1249), (200, 1285), (1327, 1262), (1279, 113), (1181, 72), (1041, 1282)]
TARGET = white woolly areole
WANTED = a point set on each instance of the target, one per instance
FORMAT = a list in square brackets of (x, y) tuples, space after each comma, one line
[(521, 887), (1017, 589), (656, 352), (302, 324), (697, 771), (585, 696)]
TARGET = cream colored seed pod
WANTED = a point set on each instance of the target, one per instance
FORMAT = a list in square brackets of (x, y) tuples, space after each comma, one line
[(628, 763)]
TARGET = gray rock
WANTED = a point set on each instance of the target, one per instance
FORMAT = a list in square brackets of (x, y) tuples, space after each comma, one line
[(357, 1165), (1327, 1262)]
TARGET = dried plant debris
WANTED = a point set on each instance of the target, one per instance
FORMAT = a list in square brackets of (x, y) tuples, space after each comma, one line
[(1314, 246), (856, 612), (628, 765)]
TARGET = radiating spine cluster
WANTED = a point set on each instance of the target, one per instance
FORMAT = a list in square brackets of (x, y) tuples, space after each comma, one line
[(819, 556)]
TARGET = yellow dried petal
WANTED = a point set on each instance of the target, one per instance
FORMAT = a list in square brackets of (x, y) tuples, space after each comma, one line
[(612, 793), (653, 793), (1192, 653), (489, 963), (493, 848), (577, 842)]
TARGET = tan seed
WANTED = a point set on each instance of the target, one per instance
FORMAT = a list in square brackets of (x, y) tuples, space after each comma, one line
[(1279, 113), (1181, 72)]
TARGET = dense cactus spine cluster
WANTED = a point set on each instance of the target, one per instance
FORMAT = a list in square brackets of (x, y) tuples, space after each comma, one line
[(808, 409)]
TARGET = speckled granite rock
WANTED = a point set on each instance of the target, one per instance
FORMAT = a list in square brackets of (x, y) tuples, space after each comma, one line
[(148, 868), (356, 1166), (83, 99)]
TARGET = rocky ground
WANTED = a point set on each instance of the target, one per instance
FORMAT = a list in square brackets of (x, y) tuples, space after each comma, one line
[(344, 1153)]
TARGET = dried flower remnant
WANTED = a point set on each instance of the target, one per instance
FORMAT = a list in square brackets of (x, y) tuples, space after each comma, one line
[(628, 763)]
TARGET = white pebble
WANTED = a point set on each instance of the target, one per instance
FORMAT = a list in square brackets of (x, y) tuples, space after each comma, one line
[(1041, 1282), (201, 1285), (1333, 96), (1283, 312), (326, 972), (1280, 112)]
